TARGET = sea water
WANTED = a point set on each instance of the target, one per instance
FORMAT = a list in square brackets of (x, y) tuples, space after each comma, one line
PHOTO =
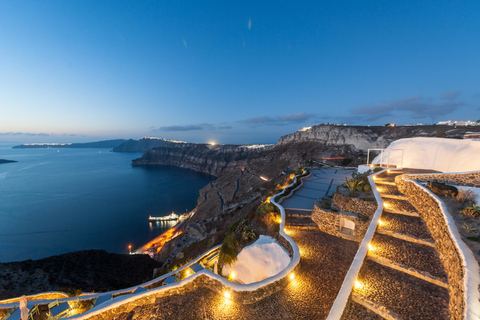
[(54, 201)]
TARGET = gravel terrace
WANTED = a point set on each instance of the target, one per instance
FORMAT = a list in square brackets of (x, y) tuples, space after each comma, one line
[(413, 226), (359, 312), (409, 297), (325, 260), (418, 256), (401, 205)]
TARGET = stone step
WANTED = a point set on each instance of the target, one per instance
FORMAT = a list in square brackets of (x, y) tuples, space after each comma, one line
[(380, 311), (381, 181), (393, 196), (355, 310), (405, 213), (399, 205), (388, 189), (404, 296), (300, 221), (411, 271), (408, 238), (423, 258), (413, 226)]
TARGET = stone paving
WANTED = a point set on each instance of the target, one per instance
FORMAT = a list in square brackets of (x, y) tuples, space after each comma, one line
[(322, 183)]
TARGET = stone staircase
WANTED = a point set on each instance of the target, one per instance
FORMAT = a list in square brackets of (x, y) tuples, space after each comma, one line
[(402, 276)]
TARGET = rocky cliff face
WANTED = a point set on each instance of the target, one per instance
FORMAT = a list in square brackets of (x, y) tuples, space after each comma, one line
[(204, 158), (143, 144), (363, 138)]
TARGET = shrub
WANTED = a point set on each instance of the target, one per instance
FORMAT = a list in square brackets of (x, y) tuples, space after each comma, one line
[(465, 196), (468, 228), (326, 205), (353, 184), (443, 190), (266, 208), (471, 211)]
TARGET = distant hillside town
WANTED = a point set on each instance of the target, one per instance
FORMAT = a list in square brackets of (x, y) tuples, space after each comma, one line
[(459, 123)]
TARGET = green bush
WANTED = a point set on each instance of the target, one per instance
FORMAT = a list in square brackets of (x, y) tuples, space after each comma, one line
[(471, 211), (266, 208)]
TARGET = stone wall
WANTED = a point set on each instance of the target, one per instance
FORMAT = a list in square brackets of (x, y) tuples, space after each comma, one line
[(470, 179), (328, 221), (346, 203), (433, 216)]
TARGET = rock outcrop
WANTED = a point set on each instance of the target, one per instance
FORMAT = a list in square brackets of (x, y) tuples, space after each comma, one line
[(363, 137), (144, 144)]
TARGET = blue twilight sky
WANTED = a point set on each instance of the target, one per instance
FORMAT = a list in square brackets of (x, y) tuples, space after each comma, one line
[(232, 71)]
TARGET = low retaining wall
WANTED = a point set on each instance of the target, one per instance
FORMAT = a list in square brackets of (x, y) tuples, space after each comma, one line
[(329, 222), (459, 263), (356, 205), (467, 179)]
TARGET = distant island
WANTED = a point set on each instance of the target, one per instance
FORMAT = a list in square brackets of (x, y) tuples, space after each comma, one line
[(6, 161), (97, 144)]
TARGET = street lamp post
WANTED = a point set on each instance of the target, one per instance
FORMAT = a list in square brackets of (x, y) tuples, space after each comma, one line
[(130, 248)]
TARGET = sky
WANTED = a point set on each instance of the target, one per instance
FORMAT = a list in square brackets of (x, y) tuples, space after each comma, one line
[(232, 71)]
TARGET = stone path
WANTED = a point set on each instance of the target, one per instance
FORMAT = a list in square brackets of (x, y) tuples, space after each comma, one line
[(402, 277)]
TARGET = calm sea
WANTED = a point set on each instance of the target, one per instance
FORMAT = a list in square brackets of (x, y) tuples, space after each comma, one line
[(52, 202)]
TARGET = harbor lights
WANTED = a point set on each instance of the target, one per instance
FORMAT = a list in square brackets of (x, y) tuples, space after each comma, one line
[(130, 249)]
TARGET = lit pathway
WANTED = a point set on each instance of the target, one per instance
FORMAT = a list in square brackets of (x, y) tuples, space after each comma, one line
[(402, 277), (325, 260)]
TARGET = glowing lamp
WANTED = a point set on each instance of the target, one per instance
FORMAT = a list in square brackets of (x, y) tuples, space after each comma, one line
[(232, 275), (292, 276), (227, 294), (370, 247), (358, 285)]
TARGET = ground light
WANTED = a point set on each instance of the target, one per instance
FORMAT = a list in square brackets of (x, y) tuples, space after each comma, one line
[(380, 222), (358, 285), (292, 276), (227, 294)]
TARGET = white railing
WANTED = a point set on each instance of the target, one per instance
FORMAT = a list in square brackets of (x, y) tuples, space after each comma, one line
[(385, 152)]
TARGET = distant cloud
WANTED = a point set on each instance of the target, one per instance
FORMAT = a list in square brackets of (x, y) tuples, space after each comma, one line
[(278, 120), (450, 95), (73, 135), (192, 127), (24, 134), (418, 106)]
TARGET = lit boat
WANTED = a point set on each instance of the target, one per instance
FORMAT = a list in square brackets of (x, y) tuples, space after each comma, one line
[(171, 217)]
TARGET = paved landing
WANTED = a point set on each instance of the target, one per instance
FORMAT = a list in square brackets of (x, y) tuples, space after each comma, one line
[(322, 183)]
